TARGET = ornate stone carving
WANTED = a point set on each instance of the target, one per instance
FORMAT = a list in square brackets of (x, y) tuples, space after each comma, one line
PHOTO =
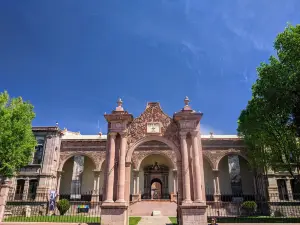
[(96, 157), (138, 157), (215, 156), (153, 113)]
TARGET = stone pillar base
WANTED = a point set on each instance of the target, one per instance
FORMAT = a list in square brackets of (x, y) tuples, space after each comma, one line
[(114, 213), (4, 189), (173, 197), (136, 197), (95, 198), (217, 197), (192, 214)]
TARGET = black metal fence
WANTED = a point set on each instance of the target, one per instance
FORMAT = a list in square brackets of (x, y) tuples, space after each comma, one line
[(86, 208), (74, 208), (254, 208)]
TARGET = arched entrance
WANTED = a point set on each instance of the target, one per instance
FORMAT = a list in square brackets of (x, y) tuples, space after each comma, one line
[(236, 178), (156, 182), (156, 188), (153, 161), (77, 180)]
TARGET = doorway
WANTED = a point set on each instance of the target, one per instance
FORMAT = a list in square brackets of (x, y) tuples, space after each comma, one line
[(156, 188)]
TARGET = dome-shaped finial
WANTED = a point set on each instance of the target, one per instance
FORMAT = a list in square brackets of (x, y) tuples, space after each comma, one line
[(186, 100)]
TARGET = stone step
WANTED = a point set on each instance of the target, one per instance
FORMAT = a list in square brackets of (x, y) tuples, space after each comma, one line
[(157, 220), (146, 208)]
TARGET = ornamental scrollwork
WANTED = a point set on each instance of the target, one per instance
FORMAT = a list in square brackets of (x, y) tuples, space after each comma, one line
[(216, 156), (139, 156), (96, 157), (153, 113)]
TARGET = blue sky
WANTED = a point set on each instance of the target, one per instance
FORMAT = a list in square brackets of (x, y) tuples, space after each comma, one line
[(73, 59)]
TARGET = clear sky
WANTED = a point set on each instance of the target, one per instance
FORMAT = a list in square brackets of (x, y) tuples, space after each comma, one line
[(73, 59)]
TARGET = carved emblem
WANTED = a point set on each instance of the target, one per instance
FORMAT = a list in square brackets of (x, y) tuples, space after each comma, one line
[(153, 115), (153, 128)]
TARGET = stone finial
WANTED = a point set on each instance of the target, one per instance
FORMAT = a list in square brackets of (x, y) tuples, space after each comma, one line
[(120, 103), (186, 104), (56, 123), (211, 134), (186, 100)]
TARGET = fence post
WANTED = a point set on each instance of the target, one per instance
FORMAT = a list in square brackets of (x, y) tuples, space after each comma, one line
[(4, 190)]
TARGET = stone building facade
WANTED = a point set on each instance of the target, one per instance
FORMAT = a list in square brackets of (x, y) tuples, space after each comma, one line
[(143, 161)]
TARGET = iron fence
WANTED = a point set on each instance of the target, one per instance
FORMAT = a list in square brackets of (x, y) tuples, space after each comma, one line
[(73, 208), (254, 208)]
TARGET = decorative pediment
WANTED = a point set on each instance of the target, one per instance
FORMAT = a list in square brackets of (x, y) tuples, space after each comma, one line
[(153, 121)]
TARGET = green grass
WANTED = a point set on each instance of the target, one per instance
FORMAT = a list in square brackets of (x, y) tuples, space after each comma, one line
[(173, 220), (134, 220), (258, 219), (254, 219), (64, 219)]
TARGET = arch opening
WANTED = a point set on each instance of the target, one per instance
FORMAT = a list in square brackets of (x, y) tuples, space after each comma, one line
[(153, 167), (236, 178), (77, 182)]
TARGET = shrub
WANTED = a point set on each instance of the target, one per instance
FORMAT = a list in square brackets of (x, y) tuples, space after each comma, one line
[(248, 207), (63, 206)]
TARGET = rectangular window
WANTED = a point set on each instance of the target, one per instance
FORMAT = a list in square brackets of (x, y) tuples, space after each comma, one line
[(39, 151), (295, 185), (19, 189), (32, 189), (282, 190)]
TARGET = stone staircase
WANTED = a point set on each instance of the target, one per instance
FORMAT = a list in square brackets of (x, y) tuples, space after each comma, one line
[(147, 207), (155, 220)]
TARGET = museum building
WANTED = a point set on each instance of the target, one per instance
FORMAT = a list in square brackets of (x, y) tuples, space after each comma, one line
[(144, 163)]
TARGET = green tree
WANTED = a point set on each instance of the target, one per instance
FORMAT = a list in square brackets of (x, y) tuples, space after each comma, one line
[(17, 142), (270, 124)]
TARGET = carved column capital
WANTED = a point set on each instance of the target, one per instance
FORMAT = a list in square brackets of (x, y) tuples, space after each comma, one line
[(97, 172), (194, 133), (123, 134), (113, 135), (182, 134)]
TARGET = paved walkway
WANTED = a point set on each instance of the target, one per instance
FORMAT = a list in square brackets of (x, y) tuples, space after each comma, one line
[(155, 220)]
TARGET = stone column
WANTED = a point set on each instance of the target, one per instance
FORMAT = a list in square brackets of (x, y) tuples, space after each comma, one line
[(197, 164), (121, 180), (217, 194), (289, 189), (59, 175), (48, 170), (95, 197), (110, 169), (26, 188), (175, 181), (4, 190), (98, 182), (134, 184), (138, 182), (185, 169)]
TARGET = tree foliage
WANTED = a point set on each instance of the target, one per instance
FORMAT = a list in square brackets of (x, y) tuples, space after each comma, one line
[(270, 124), (17, 142)]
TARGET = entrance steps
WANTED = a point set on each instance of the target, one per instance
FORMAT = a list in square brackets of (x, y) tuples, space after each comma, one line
[(158, 220), (147, 207)]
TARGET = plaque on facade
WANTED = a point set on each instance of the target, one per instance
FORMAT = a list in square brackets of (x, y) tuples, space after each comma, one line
[(153, 128)]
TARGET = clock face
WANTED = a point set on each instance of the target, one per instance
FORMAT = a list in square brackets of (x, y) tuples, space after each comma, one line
[(153, 128), (118, 125)]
